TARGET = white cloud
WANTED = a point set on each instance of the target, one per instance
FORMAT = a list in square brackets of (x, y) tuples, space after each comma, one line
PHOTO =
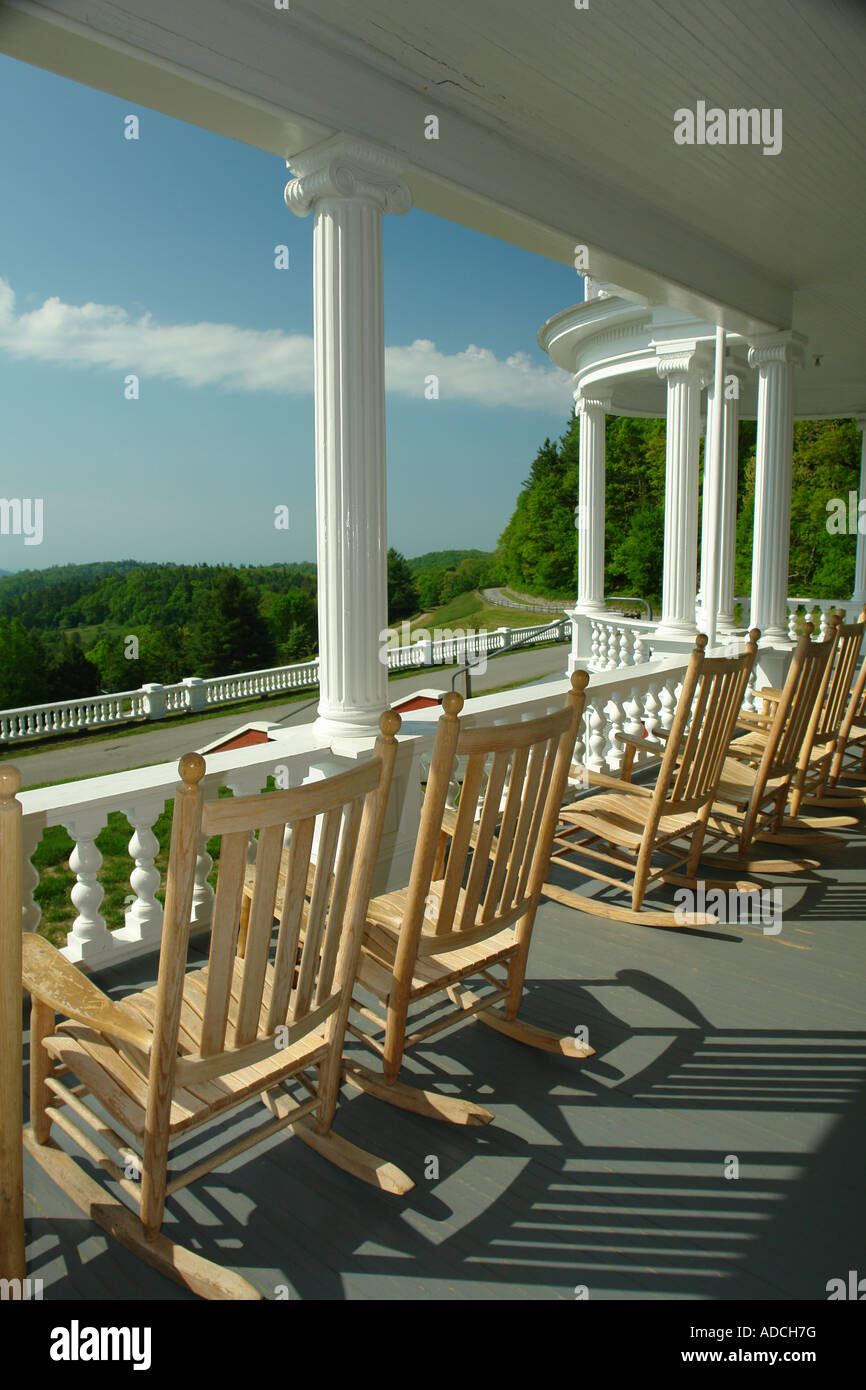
[(246, 359)]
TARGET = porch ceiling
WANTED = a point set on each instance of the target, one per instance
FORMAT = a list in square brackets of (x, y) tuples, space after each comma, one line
[(556, 127)]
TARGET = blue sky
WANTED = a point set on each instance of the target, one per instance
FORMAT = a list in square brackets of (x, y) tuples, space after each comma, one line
[(156, 257)]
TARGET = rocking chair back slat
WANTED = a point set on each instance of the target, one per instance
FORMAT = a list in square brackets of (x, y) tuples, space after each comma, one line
[(505, 840), (469, 794), (490, 815), (255, 960), (339, 894), (800, 696), (836, 699), (224, 929), (291, 920), (318, 906), (548, 755), (528, 803)]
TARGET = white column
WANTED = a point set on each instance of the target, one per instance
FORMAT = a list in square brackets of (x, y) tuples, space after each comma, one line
[(719, 528), (349, 184), (775, 357), (592, 410), (728, 513), (859, 594), (685, 367)]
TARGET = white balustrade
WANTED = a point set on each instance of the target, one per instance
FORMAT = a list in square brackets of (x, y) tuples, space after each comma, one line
[(103, 711), (642, 704)]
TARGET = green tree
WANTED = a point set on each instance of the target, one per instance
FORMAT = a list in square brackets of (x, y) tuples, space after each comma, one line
[(23, 664), (402, 594), (230, 634)]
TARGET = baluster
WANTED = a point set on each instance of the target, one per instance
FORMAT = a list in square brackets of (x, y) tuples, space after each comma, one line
[(615, 752), (31, 912), (668, 704), (640, 654), (89, 938), (652, 705), (750, 704), (578, 778), (595, 724), (792, 624), (203, 894), (824, 610), (593, 649), (144, 918), (626, 647), (632, 710), (612, 648)]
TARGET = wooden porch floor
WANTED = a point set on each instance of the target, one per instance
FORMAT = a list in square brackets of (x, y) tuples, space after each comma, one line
[(608, 1174)]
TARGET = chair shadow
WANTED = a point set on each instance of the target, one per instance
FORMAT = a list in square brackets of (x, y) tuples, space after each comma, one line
[(594, 1176)]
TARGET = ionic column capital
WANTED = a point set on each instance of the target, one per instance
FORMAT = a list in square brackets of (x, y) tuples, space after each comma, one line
[(781, 348), (589, 400), (344, 166), (687, 359)]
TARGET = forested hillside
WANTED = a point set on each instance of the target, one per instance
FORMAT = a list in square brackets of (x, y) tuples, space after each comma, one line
[(75, 630), (538, 547)]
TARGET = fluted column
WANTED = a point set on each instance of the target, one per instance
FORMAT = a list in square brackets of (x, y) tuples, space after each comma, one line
[(685, 367), (721, 530), (728, 519), (859, 594), (349, 184), (775, 357), (592, 410)]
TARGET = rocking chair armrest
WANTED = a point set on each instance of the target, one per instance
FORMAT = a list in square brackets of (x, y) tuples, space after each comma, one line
[(449, 825), (643, 745), (768, 692), (601, 779), (55, 981), (759, 723)]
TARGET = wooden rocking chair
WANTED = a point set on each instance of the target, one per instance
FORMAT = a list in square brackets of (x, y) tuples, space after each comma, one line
[(630, 826), (810, 785), (757, 775), (849, 758), (259, 1028), (470, 906)]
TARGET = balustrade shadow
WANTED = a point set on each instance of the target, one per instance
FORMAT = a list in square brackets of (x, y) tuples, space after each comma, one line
[(604, 1177)]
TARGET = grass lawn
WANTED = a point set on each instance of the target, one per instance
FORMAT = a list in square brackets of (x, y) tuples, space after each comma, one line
[(56, 879), (471, 610)]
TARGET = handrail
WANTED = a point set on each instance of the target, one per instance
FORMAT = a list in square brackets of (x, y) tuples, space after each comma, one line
[(533, 635), (630, 598)]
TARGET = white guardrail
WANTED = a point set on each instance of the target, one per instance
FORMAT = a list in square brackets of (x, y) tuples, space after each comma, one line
[(192, 695), (638, 699)]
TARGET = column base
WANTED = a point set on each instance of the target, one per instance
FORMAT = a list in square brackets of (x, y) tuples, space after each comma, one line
[(348, 724), (676, 631)]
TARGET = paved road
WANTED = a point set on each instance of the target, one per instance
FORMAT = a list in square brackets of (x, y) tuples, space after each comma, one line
[(67, 764)]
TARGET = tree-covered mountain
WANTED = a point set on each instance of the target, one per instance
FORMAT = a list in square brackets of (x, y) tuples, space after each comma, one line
[(538, 546), (75, 630)]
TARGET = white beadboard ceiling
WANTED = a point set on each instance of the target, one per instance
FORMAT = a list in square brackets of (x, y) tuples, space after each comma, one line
[(556, 126)]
